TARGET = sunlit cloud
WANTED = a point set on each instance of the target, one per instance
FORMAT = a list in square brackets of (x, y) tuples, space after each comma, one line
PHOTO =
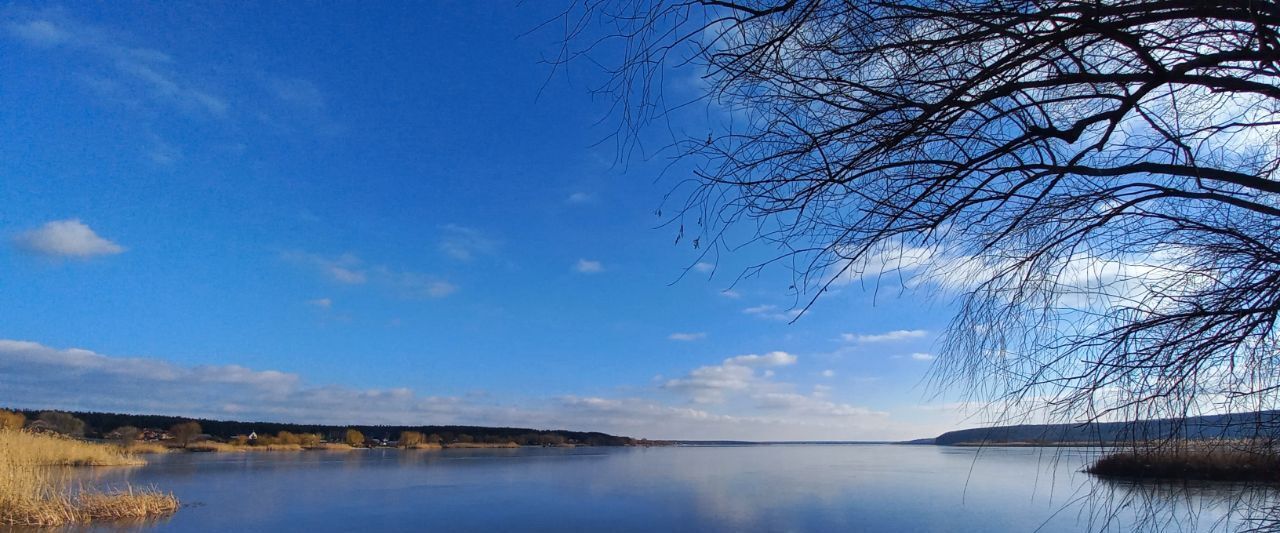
[(66, 238), (710, 384), (687, 337)]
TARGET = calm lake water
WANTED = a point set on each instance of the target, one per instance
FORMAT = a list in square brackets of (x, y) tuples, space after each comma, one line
[(747, 488)]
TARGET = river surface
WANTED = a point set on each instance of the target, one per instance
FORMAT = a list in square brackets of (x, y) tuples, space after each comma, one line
[(712, 489)]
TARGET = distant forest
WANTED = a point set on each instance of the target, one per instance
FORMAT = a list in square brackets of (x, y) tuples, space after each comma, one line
[(1258, 424), (99, 424)]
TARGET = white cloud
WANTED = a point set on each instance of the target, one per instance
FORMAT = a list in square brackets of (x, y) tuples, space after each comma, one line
[(322, 303), (772, 312), (921, 356), (768, 359), (36, 376), (580, 198), (731, 294), (702, 266), (588, 267), (710, 384), (349, 269), (828, 373), (687, 336), (39, 33), (66, 238), (888, 336), (464, 244), (40, 377), (774, 417)]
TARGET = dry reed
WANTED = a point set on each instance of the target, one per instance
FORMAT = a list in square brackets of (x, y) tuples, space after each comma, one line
[(147, 448), (35, 488), (1210, 461)]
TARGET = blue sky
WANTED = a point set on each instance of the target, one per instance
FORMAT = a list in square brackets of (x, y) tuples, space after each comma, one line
[(384, 213)]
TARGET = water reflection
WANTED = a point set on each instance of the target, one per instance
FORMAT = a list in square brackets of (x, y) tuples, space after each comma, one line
[(759, 488)]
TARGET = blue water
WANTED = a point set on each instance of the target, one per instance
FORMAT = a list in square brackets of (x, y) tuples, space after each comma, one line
[(749, 488)]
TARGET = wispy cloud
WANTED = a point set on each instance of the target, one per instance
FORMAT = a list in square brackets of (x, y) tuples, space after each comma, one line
[(922, 356), (888, 336), (464, 244), (350, 269), (321, 303), (586, 266), (414, 284), (66, 238), (687, 337), (123, 70), (772, 312), (298, 92), (39, 33), (346, 268), (703, 266), (580, 197)]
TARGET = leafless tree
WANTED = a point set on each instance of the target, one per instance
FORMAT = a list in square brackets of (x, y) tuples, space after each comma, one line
[(127, 436), (1094, 181), (185, 433)]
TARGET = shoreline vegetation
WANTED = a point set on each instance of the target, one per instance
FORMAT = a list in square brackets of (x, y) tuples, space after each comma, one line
[(38, 449), (1235, 447), (35, 487), (160, 429), (1232, 461)]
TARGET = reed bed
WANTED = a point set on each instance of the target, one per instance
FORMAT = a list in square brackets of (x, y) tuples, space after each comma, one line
[(424, 446), (35, 486), (210, 446), (332, 447), (43, 449), (1223, 462), (482, 445), (147, 448)]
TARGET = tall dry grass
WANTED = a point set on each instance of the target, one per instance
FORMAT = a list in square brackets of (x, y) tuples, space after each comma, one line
[(1209, 461), (36, 487), (45, 449), (147, 447), (211, 446)]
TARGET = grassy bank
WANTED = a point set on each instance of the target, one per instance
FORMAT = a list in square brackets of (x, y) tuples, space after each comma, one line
[(35, 489), (227, 447), (1200, 462)]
